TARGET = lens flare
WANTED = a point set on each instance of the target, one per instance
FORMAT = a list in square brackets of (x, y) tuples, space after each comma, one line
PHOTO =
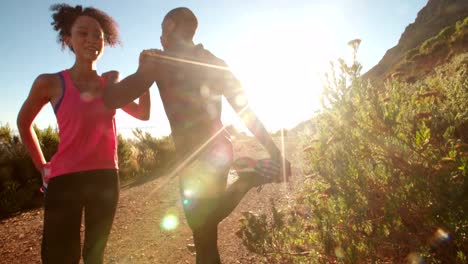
[(439, 237), (240, 100), (87, 97), (205, 90), (169, 222), (339, 252), (188, 192), (414, 258), (220, 157), (441, 234)]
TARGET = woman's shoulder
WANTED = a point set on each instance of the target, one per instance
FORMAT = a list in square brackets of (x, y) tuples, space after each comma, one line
[(48, 84), (47, 80)]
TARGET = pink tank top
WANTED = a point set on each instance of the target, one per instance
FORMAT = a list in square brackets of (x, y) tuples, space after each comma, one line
[(87, 132)]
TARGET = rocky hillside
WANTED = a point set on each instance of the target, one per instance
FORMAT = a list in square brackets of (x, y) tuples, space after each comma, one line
[(439, 33), (430, 21), (440, 49)]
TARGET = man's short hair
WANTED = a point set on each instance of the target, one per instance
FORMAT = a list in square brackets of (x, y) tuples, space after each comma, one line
[(183, 17)]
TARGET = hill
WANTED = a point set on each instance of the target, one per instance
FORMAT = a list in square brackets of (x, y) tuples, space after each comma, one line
[(440, 49), (430, 21), (438, 34)]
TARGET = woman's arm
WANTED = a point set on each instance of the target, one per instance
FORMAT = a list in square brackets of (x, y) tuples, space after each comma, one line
[(142, 109), (39, 95), (150, 68)]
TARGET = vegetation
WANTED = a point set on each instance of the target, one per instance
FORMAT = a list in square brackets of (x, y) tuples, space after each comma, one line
[(19, 180), (141, 156), (446, 38), (388, 176), (387, 166)]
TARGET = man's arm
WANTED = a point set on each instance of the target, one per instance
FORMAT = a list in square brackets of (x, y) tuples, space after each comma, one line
[(257, 128), (237, 98), (119, 94)]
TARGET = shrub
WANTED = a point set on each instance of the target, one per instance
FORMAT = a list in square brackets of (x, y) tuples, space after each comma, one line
[(446, 33), (391, 165), (19, 179), (411, 53), (153, 155), (49, 140), (128, 166)]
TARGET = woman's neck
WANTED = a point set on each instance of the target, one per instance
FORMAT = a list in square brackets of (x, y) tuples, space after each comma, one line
[(84, 70)]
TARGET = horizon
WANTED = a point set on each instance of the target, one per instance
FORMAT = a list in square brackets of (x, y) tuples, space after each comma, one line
[(293, 43)]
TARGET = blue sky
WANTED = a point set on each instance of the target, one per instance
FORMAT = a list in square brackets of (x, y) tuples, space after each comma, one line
[(278, 48)]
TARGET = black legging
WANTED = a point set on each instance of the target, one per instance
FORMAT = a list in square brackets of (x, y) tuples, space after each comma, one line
[(96, 192)]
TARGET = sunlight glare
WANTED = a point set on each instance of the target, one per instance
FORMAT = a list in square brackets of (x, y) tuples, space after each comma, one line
[(169, 222), (281, 73), (188, 192)]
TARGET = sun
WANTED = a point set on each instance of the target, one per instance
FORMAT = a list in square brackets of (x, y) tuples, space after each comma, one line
[(282, 81)]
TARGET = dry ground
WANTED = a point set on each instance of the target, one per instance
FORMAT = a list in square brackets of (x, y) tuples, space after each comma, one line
[(137, 236)]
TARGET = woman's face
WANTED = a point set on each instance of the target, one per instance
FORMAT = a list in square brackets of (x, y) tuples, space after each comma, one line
[(86, 39)]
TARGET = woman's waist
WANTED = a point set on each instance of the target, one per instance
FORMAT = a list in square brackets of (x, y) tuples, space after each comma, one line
[(84, 152), (60, 165)]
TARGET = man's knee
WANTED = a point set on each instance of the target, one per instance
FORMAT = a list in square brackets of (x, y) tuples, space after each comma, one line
[(200, 213)]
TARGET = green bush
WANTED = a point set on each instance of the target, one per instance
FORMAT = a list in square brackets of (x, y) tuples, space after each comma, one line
[(154, 155), (444, 38), (20, 181), (446, 33), (411, 53), (461, 25), (144, 156), (128, 167), (48, 139), (426, 47), (391, 167)]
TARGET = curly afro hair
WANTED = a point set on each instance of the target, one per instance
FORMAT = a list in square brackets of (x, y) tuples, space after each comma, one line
[(65, 15)]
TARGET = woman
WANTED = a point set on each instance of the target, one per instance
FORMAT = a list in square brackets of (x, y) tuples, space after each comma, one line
[(83, 174)]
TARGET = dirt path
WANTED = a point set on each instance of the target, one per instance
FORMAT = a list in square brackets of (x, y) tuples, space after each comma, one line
[(137, 235)]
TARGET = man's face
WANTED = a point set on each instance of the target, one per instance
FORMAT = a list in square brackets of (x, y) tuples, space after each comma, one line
[(175, 37), (168, 38)]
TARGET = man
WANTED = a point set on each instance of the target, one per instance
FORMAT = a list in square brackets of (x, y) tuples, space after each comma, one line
[(191, 83)]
